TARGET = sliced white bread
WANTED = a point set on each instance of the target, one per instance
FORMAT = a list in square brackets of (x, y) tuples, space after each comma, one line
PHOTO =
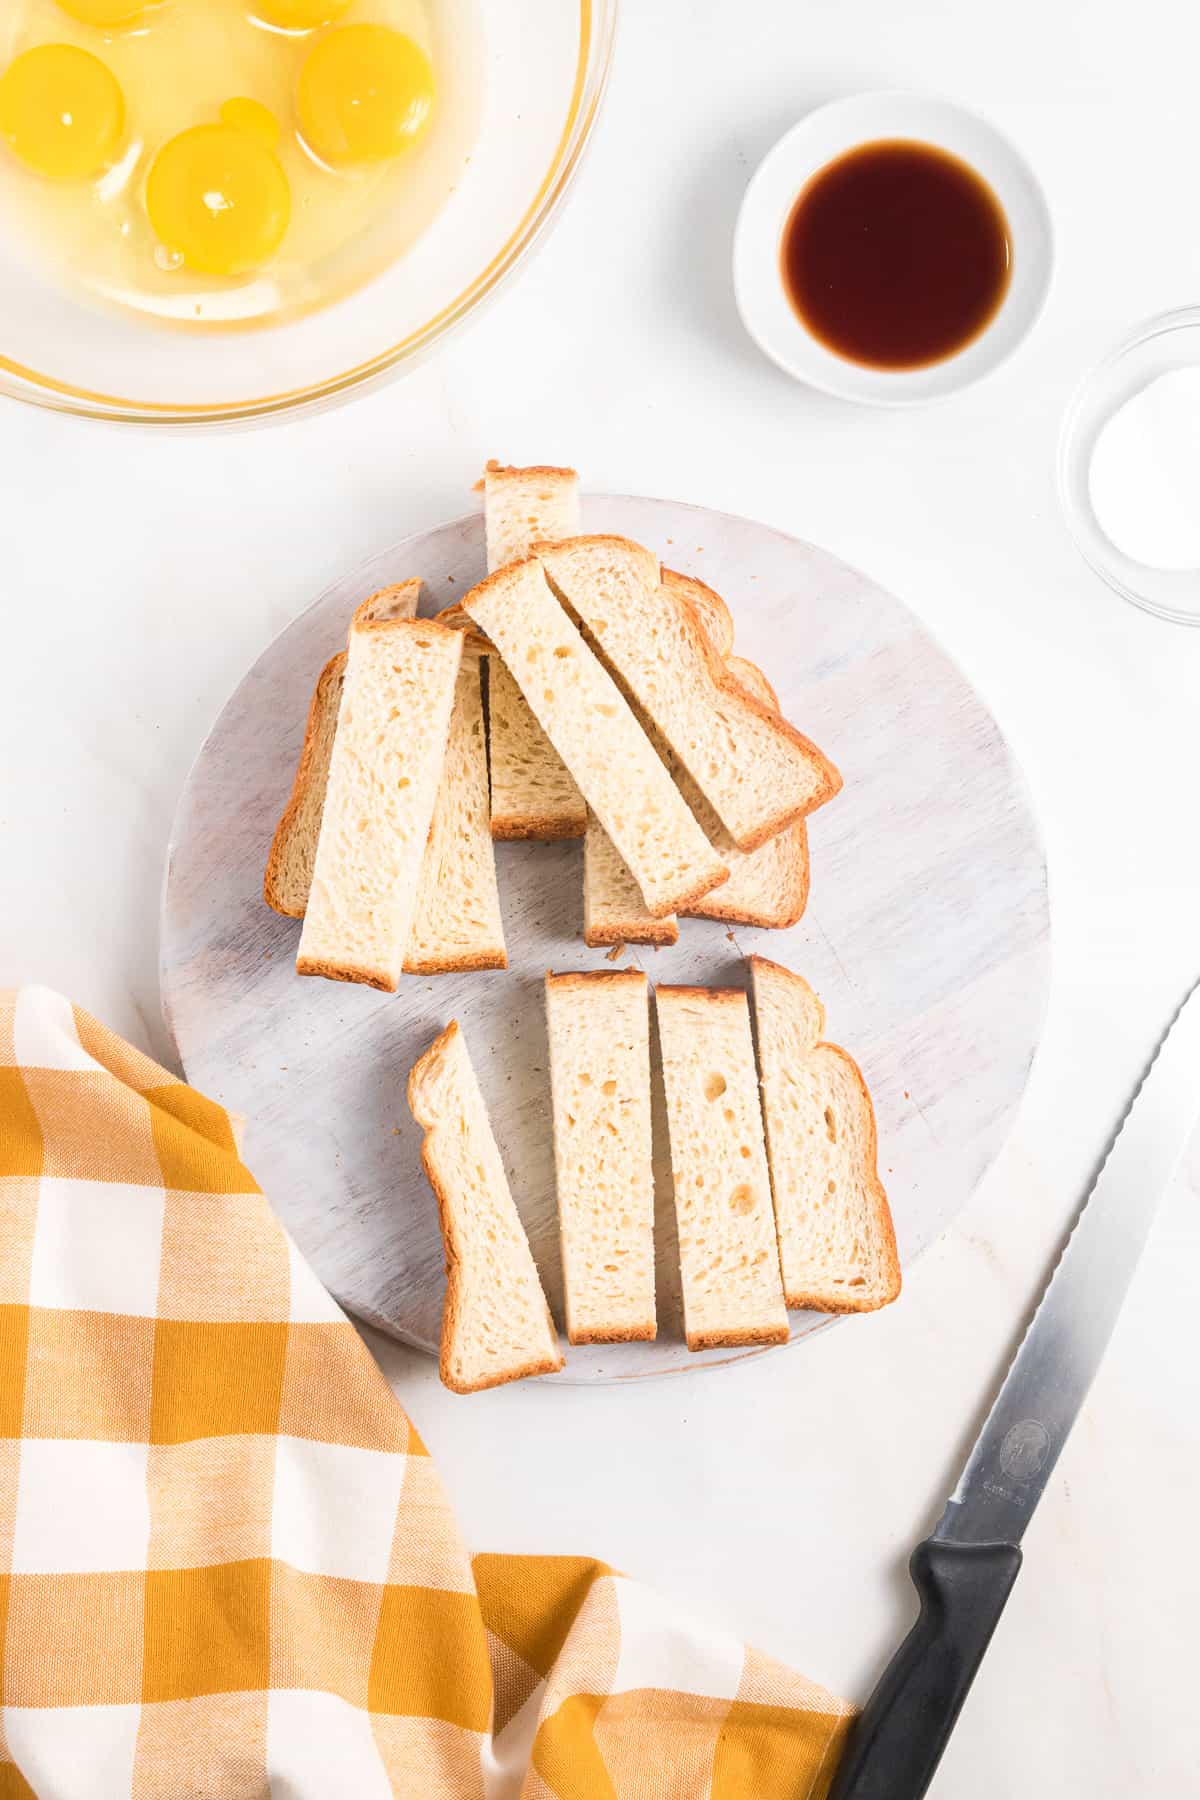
[(294, 847), (753, 680), (533, 796), (767, 887), (523, 505), (599, 1031), (456, 922), (708, 606), (399, 601), (384, 772), (728, 1257), (496, 1325), (756, 771), (836, 1242), (614, 911), (587, 719)]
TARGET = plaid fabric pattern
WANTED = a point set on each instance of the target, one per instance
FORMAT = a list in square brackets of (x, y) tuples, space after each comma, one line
[(227, 1568)]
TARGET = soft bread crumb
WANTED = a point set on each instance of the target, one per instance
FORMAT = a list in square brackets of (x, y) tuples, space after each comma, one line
[(729, 1262), (383, 780), (599, 1033), (457, 923), (294, 847), (756, 771), (583, 712), (836, 1241), (496, 1325), (533, 796), (614, 911)]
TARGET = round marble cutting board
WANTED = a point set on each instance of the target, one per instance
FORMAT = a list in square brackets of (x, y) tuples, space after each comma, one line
[(926, 934)]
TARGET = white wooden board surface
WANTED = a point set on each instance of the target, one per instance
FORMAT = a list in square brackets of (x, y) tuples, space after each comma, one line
[(926, 933)]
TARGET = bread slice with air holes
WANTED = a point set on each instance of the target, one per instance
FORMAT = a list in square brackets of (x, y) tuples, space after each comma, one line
[(533, 796), (387, 760), (708, 606), (522, 505), (457, 923), (756, 771), (728, 1257), (614, 911), (767, 887), (293, 849), (496, 1325), (585, 716), (599, 1032), (836, 1243)]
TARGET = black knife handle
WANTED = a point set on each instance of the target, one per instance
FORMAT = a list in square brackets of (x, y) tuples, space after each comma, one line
[(898, 1741)]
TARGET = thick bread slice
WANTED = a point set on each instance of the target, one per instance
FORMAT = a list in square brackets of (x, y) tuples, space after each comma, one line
[(767, 887), (599, 1029), (756, 771), (457, 620), (708, 606), (293, 849), (496, 1325), (523, 505), (753, 680), (383, 780), (588, 721), (613, 909), (400, 601), (457, 923), (294, 846), (533, 796), (836, 1242), (728, 1256)]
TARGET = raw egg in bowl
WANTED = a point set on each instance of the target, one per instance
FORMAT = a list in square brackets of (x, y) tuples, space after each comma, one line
[(226, 209)]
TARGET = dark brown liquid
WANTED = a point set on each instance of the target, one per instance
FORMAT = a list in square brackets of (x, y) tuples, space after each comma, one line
[(896, 255)]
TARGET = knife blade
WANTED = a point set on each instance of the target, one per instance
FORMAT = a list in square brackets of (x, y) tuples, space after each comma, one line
[(964, 1572)]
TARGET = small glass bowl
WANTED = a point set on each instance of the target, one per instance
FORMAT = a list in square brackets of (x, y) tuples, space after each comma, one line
[(1158, 346), (544, 73)]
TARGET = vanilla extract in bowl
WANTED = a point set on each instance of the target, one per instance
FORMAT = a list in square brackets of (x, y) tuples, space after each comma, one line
[(896, 255)]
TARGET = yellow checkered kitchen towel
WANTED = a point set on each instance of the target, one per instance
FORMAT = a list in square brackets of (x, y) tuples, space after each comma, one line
[(227, 1567)]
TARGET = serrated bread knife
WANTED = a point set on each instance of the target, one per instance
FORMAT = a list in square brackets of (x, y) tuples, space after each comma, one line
[(965, 1571)]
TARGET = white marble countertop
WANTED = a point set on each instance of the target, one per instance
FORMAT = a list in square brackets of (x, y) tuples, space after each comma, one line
[(141, 574)]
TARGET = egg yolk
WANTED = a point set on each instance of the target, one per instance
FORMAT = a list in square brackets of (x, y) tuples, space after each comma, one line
[(298, 15), (103, 12), (366, 94), (61, 111), (218, 198), (252, 116)]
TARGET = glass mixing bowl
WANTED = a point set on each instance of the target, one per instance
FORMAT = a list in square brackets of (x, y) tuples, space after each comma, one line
[(544, 72), (1157, 347)]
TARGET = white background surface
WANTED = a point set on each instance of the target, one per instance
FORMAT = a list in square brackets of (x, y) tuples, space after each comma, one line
[(141, 574)]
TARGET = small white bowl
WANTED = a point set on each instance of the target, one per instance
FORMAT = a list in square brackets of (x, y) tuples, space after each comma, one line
[(817, 140)]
